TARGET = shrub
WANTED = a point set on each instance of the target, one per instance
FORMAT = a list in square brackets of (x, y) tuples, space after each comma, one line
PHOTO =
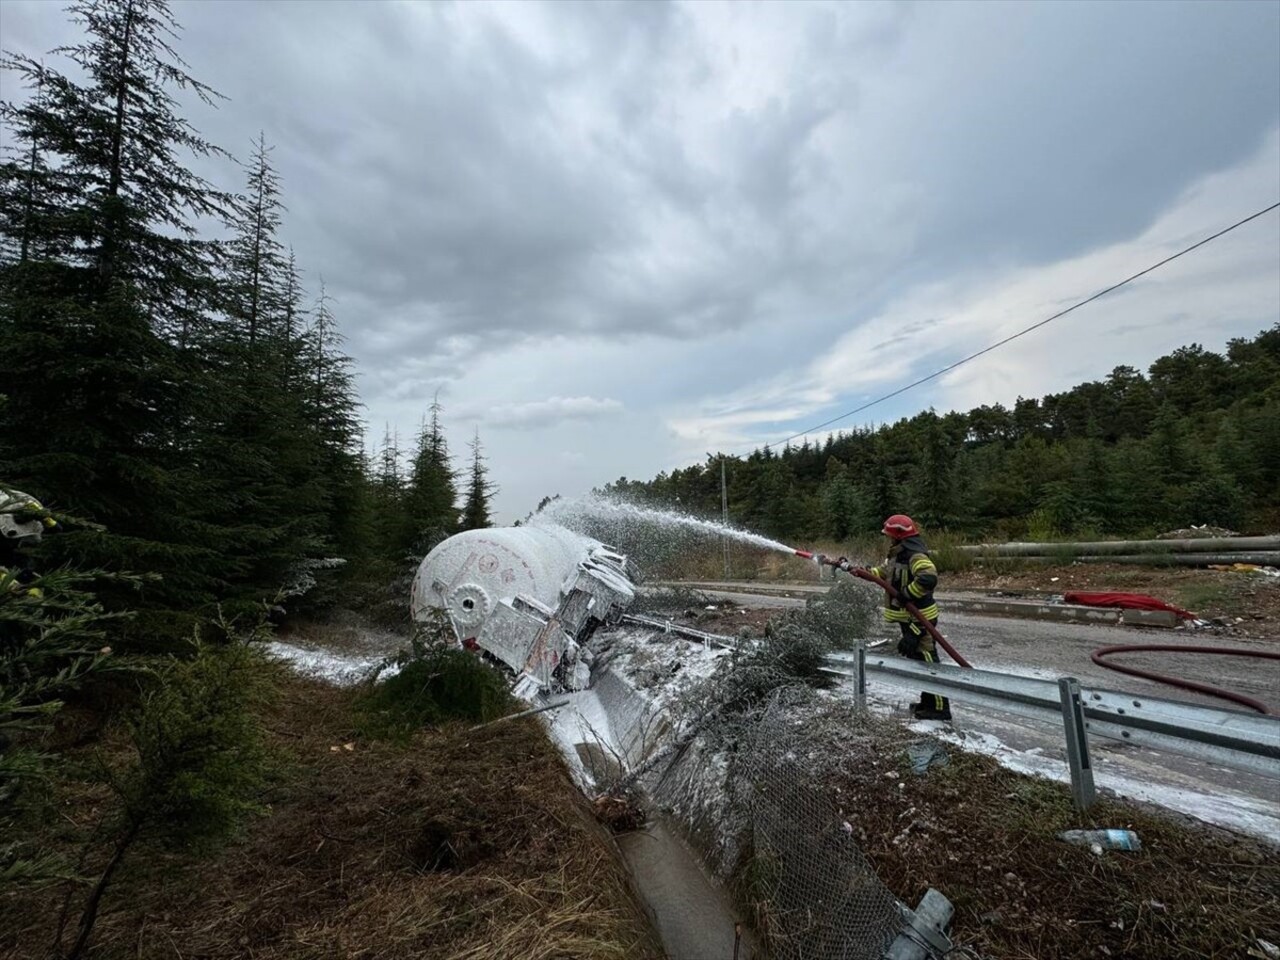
[(437, 682), (200, 761), (52, 642)]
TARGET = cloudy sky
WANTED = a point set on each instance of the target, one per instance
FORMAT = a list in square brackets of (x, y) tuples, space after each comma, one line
[(615, 236)]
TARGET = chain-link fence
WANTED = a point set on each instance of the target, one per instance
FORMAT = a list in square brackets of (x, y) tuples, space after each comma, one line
[(754, 792), (817, 896)]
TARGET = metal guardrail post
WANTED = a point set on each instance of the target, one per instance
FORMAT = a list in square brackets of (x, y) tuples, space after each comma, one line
[(860, 678), (925, 936), (1082, 789)]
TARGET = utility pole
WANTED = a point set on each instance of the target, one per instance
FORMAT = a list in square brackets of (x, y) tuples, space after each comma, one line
[(724, 516)]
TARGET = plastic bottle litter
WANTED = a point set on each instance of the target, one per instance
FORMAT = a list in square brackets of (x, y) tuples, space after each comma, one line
[(1103, 839)]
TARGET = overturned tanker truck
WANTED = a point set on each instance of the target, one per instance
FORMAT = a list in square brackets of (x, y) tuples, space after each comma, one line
[(529, 597)]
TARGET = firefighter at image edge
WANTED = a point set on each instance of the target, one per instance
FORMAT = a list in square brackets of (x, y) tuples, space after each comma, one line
[(910, 571), (23, 520)]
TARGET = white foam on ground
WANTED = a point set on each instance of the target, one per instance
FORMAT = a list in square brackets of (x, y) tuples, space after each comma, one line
[(341, 670), (1223, 808)]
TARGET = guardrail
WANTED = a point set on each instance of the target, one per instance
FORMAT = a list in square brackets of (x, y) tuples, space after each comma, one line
[(1229, 738)]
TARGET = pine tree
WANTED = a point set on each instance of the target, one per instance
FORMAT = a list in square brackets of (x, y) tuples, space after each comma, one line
[(475, 512), (391, 523), (431, 497), (257, 262), (327, 385), (105, 274), (259, 449)]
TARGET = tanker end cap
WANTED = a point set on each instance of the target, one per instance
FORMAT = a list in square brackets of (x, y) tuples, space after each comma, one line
[(531, 596)]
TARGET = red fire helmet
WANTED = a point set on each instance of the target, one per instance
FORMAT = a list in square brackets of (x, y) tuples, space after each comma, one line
[(900, 526)]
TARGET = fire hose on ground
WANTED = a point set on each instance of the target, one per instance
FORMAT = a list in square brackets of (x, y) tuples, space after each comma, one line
[(1098, 656)]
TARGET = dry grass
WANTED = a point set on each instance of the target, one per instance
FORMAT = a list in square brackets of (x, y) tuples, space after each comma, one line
[(987, 838), (462, 846)]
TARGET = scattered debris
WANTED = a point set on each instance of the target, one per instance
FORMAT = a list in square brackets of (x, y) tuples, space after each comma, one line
[(1193, 532), (1104, 839), (619, 814), (1245, 568), (928, 754)]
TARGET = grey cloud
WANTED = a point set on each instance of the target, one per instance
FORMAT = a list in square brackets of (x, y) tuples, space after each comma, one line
[(730, 195), (541, 413)]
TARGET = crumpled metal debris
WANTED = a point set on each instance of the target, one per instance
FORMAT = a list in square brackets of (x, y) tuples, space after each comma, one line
[(929, 753)]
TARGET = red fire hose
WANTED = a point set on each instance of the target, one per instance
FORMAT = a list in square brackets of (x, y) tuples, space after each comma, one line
[(910, 607), (1098, 656), (1205, 688)]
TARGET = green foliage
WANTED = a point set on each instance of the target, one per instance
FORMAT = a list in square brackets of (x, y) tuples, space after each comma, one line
[(947, 555), (201, 762), (480, 490), (436, 682), (1196, 440), (52, 635), (430, 503), (169, 386), (793, 649)]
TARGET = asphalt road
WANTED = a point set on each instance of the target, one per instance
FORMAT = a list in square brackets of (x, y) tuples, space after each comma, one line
[(1052, 649)]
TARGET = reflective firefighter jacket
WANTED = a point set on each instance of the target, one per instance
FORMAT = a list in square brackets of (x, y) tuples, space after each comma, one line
[(909, 571), (17, 582)]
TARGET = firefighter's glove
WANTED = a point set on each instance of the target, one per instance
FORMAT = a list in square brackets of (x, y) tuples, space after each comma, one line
[(909, 646)]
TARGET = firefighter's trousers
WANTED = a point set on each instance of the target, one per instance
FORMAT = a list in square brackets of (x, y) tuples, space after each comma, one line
[(926, 652)]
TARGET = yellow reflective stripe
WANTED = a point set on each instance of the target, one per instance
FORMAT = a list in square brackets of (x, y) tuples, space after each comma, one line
[(930, 612), (896, 616), (921, 562), (876, 572), (915, 590)]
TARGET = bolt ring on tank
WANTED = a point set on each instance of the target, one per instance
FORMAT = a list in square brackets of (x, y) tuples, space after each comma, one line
[(468, 604)]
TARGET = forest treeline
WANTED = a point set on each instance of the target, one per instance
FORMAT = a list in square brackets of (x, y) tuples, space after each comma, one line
[(165, 375), (179, 411), (1194, 440)]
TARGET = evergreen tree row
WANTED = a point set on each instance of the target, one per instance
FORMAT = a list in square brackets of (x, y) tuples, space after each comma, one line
[(1196, 440), (179, 388)]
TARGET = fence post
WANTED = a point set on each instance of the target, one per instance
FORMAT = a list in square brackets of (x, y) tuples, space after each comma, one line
[(860, 680), (1082, 789)]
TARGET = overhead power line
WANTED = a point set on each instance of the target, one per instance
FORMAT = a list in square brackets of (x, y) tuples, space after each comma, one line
[(1023, 332)]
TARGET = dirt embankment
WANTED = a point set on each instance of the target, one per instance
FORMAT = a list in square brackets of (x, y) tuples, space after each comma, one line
[(472, 846), (1247, 603), (987, 837)]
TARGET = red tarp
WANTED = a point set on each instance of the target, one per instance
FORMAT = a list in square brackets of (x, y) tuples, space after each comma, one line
[(1132, 601)]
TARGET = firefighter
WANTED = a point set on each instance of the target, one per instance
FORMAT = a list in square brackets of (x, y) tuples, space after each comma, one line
[(23, 521), (911, 573)]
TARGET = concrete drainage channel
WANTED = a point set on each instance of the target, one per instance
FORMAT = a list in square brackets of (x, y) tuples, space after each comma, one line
[(693, 825), (551, 605), (611, 728)]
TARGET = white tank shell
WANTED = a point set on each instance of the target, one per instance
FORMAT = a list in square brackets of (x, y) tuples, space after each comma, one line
[(468, 574)]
